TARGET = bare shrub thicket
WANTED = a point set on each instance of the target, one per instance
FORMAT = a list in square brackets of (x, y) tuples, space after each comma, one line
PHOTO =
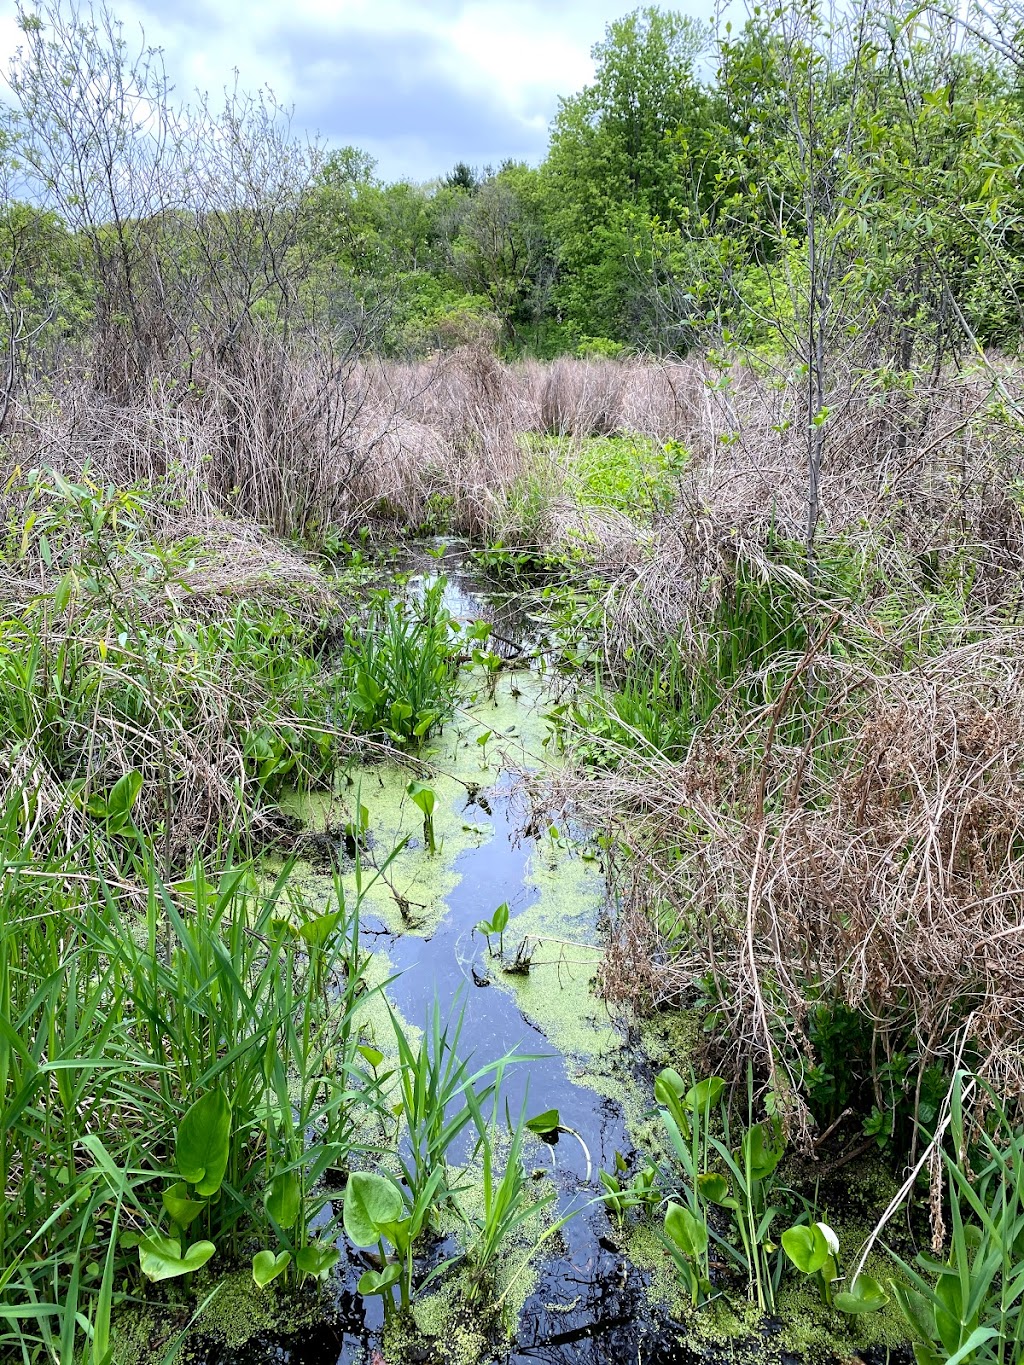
[(878, 857), (883, 867), (943, 505)]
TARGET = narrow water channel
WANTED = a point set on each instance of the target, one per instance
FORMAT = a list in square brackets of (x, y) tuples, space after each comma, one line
[(418, 919), (585, 1301)]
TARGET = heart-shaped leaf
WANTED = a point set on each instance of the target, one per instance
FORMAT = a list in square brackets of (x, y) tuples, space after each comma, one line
[(865, 1295), (204, 1142), (160, 1257), (181, 1207), (806, 1247), (266, 1266), (713, 1187), (371, 1201), (379, 1281), (283, 1199), (317, 1260)]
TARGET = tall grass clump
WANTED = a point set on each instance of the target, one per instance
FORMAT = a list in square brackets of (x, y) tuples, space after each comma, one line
[(837, 826), (103, 675), (397, 673), (180, 1068)]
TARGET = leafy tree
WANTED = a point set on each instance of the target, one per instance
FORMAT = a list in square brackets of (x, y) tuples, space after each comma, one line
[(616, 163), (500, 249)]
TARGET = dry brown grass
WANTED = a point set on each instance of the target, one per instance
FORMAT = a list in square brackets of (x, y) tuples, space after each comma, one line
[(937, 477), (301, 439), (880, 863)]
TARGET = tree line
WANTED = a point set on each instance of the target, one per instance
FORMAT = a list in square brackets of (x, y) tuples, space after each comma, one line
[(804, 179)]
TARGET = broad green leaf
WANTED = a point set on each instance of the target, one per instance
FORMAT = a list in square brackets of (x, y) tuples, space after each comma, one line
[(950, 1323), (181, 1207), (204, 1142), (266, 1266), (499, 920), (713, 1187), (371, 1055), (423, 796), (865, 1295), (917, 1311), (283, 1199), (317, 1260), (544, 1124), (371, 1200), (689, 1233), (704, 1094), (806, 1246), (401, 1233), (761, 1151), (669, 1085), (123, 795), (318, 932), (160, 1257), (378, 1281)]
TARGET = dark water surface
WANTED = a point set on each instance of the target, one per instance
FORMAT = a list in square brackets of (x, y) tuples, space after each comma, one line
[(588, 1305)]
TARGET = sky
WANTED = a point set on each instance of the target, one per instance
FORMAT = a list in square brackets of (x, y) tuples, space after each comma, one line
[(419, 84)]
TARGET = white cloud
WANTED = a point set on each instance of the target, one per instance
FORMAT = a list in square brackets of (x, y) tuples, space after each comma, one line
[(419, 83)]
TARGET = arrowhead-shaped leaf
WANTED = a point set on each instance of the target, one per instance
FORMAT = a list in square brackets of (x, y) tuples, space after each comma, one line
[(204, 1142), (370, 1202)]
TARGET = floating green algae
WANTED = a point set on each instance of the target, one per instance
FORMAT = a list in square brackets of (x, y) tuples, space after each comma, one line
[(398, 879)]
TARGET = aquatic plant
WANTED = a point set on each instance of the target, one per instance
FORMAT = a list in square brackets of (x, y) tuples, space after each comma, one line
[(206, 1028), (497, 924), (640, 1192), (507, 1202), (813, 1248), (741, 1180), (378, 1212), (425, 798), (397, 674), (969, 1307), (438, 1096)]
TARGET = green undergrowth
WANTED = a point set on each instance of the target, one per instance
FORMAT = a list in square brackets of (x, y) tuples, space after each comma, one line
[(630, 474)]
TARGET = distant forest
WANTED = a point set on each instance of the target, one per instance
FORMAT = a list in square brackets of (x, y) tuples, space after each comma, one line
[(746, 186)]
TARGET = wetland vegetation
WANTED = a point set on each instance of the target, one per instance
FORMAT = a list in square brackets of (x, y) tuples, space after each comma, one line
[(511, 789)]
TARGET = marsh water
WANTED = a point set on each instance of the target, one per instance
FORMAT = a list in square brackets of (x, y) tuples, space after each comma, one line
[(584, 1300)]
